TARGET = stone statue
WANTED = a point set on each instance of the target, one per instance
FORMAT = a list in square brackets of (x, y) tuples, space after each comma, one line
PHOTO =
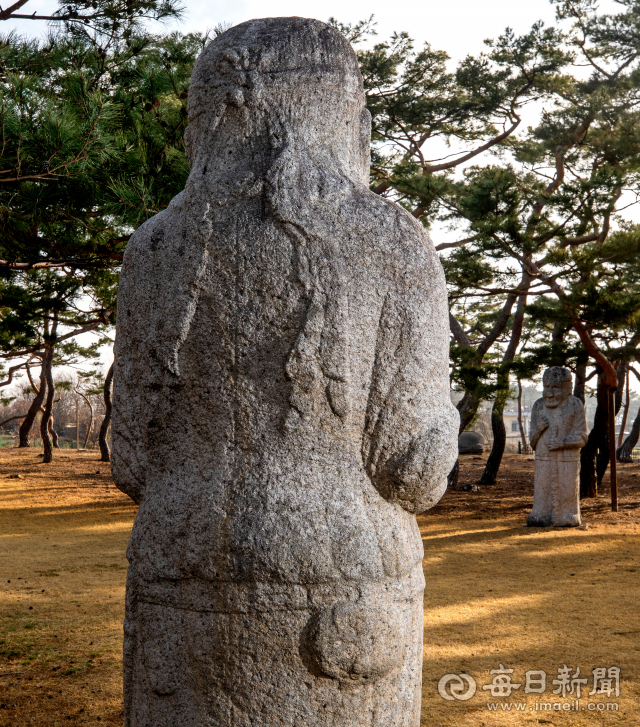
[(558, 431), (471, 443), (281, 407)]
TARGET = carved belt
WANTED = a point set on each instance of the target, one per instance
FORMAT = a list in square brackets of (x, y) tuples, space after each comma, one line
[(244, 597)]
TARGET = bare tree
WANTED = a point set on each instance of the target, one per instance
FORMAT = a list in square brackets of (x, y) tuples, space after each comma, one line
[(87, 400), (47, 365)]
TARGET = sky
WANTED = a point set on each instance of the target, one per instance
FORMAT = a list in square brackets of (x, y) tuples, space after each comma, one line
[(457, 26)]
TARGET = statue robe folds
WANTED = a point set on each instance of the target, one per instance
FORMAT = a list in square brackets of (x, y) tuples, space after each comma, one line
[(556, 499), (281, 407)]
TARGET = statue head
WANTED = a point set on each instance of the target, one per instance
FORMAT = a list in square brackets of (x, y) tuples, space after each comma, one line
[(269, 84), (556, 386)]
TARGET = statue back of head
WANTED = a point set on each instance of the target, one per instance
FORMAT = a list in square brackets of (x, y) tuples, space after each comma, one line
[(287, 81)]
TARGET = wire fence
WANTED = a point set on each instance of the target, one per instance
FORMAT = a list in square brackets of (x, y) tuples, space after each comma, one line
[(526, 449), (12, 441)]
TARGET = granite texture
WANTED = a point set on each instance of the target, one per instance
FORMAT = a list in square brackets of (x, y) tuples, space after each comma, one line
[(281, 407), (558, 432)]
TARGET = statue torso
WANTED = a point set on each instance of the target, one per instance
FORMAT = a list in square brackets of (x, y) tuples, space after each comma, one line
[(261, 475)]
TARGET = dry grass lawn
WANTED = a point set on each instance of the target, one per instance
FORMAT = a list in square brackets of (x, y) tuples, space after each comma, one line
[(497, 593), (63, 534)]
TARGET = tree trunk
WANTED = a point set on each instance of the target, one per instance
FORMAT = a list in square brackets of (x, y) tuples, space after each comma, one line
[(490, 472), (46, 416), (627, 402), (604, 450), (557, 347), (523, 436), (468, 405), (104, 447), (581, 376), (25, 427), (624, 454), (53, 434), (452, 477), (497, 410), (621, 371), (602, 460), (467, 408), (12, 419), (89, 427), (596, 440), (87, 401)]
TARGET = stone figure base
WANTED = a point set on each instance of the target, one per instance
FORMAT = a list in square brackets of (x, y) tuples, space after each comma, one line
[(273, 655), (556, 500)]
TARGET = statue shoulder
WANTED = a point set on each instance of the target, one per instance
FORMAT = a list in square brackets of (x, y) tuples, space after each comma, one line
[(150, 234), (574, 405), (139, 278), (402, 243), (538, 405), (396, 220)]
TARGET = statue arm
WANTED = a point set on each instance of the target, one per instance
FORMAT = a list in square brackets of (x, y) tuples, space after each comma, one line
[(539, 424), (577, 437), (410, 441), (128, 461), (157, 298)]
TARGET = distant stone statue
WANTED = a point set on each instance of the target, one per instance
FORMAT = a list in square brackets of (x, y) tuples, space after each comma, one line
[(471, 443), (281, 407), (558, 432)]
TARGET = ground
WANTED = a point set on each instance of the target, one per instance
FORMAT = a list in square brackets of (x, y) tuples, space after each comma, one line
[(497, 594)]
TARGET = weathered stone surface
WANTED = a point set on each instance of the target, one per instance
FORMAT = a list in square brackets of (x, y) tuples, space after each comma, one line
[(281, 407), (558, 431), (471, 443)]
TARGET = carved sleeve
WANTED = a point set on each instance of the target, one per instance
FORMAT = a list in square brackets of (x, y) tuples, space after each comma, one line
[(537, 430), (577, 437), (411, 434), (128, 461), (157, 299)]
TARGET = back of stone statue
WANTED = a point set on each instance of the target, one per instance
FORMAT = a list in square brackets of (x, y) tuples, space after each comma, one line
[(281, 403), (281, 407)]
